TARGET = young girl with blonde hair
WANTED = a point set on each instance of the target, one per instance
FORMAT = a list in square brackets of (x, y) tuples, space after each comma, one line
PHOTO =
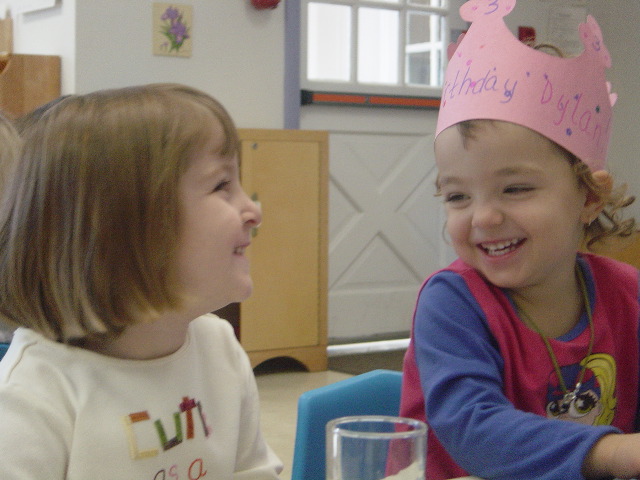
[(124, 225)]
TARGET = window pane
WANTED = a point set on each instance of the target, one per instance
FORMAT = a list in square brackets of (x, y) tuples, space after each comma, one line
[(439, 34), (375, 46), (329, 42), (423, 48), (378, 31), (429, 3), (418, 28), (418, 68), (418, 49)]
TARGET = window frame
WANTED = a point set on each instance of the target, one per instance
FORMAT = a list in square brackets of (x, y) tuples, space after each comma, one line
[(352, 86)]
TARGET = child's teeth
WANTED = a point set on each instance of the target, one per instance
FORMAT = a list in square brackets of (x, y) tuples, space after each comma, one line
[(499, 248)]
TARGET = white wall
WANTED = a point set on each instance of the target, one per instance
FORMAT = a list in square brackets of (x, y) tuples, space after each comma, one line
[(238, 56), (50, 32), (238, 52)]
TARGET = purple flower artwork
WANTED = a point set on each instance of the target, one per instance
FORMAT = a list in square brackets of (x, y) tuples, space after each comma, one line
[(173, 23), (174, 28)]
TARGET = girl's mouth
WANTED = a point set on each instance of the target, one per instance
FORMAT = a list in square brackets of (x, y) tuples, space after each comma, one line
[(497, 249)]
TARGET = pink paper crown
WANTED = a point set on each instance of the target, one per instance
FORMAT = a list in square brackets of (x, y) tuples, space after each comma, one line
[(492, 75)]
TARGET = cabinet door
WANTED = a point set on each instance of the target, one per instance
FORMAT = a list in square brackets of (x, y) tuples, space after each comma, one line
[(27, 82), (286, 176)]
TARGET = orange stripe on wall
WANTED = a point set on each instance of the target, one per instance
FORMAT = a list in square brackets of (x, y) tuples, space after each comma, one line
[(368, 100), (405, 101), (338, 98)]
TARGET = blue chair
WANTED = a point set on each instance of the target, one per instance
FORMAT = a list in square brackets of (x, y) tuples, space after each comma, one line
[(373, 393), (3, 349)]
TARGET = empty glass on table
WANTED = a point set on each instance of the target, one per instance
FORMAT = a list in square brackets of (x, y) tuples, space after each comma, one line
[(376, 447)]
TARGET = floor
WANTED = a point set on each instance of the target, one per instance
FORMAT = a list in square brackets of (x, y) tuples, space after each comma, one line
[(279, 394)]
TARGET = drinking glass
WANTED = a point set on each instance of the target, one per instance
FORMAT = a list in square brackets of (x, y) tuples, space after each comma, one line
[(376, 447)]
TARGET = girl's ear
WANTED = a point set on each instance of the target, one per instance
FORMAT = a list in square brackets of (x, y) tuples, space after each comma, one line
[(597, 198)]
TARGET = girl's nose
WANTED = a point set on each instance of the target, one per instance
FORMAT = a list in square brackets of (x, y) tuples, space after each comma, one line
[(252, 213), (486, 215)]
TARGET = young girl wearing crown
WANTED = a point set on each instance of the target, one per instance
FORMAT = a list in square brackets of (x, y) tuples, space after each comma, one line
[(522, 329)]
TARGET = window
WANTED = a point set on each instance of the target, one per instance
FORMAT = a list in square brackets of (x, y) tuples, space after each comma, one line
[(395, 47)]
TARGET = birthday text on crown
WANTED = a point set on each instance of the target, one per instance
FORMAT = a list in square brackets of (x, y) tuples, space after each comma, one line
[(567, 109)]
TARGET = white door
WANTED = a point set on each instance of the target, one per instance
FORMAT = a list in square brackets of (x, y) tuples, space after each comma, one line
[(385, 224)]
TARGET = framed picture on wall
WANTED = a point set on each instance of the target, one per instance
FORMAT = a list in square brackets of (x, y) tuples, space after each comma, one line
[(172, 29)]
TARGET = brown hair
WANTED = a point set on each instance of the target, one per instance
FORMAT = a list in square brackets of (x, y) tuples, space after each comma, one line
[(90, 226), (610, 222), (10, 143)]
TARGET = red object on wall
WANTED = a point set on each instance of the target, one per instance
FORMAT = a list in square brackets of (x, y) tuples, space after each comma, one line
[(263, 4), (527, 34)]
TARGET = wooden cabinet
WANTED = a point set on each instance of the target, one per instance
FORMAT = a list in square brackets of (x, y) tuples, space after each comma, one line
[(622, 249), (27, 82), (286, 316)]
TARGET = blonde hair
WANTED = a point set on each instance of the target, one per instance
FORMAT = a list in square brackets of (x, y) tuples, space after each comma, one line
[(90, 226), (609, 222)]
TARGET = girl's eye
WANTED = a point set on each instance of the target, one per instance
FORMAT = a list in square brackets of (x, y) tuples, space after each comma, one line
[(515, 189), (222, 186), (454, 197)]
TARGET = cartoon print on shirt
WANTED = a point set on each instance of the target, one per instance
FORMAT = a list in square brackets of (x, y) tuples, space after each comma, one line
[(595, 403)]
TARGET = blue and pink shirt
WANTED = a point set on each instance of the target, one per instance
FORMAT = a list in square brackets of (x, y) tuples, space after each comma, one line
[(487, 387)]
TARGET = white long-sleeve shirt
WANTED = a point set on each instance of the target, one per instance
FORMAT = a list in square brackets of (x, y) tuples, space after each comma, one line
[(69, 413)]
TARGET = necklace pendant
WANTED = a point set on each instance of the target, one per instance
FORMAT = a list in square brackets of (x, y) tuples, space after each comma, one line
[(568, 398), (571, 396)]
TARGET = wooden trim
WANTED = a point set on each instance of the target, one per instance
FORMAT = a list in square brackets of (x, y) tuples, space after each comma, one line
[(323, 247), (313, 358), (281, 135)]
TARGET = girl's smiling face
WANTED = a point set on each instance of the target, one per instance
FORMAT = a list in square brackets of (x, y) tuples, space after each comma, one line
[(515, 208), (216, 223)]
